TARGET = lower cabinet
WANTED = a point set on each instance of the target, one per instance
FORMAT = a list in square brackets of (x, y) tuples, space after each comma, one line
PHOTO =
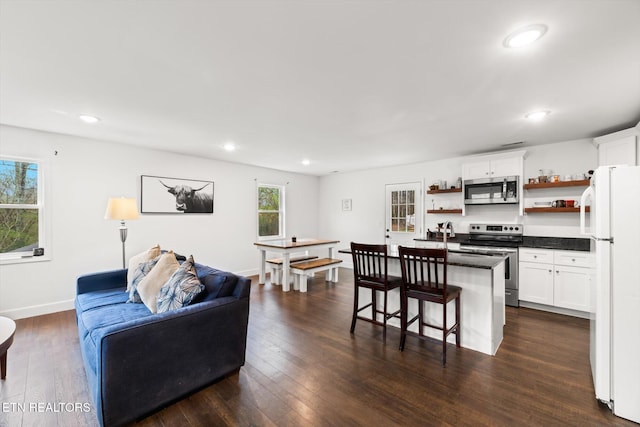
[(556, 278)]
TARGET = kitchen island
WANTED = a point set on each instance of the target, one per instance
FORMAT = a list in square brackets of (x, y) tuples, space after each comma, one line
[(482, 308)]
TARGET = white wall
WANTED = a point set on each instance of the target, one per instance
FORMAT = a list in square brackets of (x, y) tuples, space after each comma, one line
[(85, 173), (365, 222)]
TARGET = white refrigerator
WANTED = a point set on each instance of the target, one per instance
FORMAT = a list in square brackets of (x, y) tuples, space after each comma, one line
[(614, 196)]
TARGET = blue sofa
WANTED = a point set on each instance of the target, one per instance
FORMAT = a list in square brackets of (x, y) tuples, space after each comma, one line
[(138, 362)]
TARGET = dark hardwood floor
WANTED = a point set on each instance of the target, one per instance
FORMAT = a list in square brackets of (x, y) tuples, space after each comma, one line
[(304, 368)]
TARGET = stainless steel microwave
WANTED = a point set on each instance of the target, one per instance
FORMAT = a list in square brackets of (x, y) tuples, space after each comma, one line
[(489, 191)]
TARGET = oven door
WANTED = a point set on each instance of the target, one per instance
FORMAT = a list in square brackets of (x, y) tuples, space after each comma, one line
[(510, 269)]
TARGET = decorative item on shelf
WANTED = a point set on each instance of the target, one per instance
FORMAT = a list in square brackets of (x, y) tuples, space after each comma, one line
[(121, 208)]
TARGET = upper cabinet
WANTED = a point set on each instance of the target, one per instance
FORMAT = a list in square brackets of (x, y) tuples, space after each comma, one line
[(509, 163), (508, 166), (620, 148)]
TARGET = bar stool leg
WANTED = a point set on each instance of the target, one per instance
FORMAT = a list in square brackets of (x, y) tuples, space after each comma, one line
[(355, 308)]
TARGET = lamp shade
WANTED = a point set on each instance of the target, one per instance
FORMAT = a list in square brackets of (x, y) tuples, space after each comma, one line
[(121, 208)]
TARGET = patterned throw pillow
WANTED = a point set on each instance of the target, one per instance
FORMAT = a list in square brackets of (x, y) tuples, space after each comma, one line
[(139, 273), (136, 260), (180, 289), (149, 287)]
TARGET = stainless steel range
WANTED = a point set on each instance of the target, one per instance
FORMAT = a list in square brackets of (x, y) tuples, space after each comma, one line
[(499, 239)]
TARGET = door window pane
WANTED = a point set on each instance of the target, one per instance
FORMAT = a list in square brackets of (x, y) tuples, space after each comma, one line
[(403, 211)]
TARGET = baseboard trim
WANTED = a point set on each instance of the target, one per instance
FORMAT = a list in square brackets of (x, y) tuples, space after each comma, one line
[(557, 310), (38, 310)]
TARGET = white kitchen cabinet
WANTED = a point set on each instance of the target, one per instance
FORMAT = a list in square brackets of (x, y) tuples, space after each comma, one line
[(498, 167), (619, 148), (556, 278), (536, 282), (571, 287)]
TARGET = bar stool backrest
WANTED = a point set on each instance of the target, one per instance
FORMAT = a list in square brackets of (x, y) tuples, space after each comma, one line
[(421, 269), (369, 263)]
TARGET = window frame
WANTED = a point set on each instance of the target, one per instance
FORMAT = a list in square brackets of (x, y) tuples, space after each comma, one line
[(280, 211), (44, 220)]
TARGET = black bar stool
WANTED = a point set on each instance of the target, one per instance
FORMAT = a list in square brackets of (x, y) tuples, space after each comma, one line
[(370, 271), (422, 280)]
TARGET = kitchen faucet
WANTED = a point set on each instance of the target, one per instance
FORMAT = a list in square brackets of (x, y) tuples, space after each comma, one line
[(445, 225)]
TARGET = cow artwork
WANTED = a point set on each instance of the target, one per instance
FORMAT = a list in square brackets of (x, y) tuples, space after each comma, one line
[(191, 200), (186, 196)]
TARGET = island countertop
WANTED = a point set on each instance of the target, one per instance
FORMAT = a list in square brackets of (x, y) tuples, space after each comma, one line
[(458, 258)]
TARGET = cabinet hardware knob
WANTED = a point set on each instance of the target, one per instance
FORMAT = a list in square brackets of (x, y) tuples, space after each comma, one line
[(573, 259), (550, 271), (557, 272)]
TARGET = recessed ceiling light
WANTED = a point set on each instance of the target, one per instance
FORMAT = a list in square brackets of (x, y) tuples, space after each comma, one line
[(88, 119), (229, 146), (537, 115), (306, 162), (525, 36)]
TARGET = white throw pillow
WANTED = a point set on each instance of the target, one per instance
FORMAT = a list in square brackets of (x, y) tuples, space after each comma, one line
[(150, 286), (136, 260)]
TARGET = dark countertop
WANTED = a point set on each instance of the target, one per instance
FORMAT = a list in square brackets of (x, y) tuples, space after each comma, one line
[(561, 243), (459, 238), (459, 259)]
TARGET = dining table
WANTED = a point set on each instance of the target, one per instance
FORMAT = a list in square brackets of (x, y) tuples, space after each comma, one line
[(285, 247)]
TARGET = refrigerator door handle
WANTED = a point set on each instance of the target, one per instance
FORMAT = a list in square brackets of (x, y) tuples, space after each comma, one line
[(587, 194)]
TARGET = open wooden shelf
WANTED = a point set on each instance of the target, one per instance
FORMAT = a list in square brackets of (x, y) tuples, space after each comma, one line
[(448, 190), (580, 183), (554, 210), (444, 211)]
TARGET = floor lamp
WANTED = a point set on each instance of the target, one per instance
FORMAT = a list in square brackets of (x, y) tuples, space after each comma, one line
[(122, 208)]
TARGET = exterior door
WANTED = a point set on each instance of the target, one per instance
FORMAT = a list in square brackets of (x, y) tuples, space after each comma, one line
[(403, 213)]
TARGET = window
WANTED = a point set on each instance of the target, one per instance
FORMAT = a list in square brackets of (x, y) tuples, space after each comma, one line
[(403, 211), (21, 207), (270, 211)]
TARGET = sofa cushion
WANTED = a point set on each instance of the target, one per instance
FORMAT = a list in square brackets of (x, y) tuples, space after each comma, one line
[(180, 289), (90, 300), (141, 271), (138, 259), (217, 283), (151, 284)]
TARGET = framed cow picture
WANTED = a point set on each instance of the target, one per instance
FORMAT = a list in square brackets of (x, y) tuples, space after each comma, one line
[(175, 195)]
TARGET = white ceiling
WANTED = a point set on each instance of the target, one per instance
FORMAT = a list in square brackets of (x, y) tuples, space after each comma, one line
[(348, 84)]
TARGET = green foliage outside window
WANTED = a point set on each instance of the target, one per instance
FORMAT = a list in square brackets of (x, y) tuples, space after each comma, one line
[(268, 211), (18, 205)]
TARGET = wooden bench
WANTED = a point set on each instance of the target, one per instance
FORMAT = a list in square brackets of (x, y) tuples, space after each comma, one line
[(276, 266), (302, 270)]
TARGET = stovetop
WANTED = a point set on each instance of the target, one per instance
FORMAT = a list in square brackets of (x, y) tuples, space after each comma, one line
[(505, 235)]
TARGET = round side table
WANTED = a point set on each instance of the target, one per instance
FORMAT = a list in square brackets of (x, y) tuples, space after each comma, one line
[(7, 329)]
